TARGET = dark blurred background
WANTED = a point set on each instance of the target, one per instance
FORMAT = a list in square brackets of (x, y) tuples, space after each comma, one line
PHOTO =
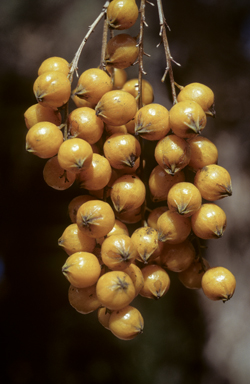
[(187, 338)]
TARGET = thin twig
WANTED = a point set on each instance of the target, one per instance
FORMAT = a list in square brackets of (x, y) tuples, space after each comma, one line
[(169, 58), (104, 43), (74, 64)]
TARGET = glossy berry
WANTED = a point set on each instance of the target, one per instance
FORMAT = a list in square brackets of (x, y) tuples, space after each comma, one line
[(132, 87), (209, 222), (84, 300), (187, 119), (200, 93), (172, 153), (156, 282), (122, 51), (184, 198), (82, 269), (116, 107), (93, 84), (97, 175), (118, 252), (152, 122), (126, 323), (173, 228), (37, 113), (218, 283), (44, 139), (191, 277), (95, 218), (52, 89), (122, 14), (115, 290), (75, 155), (177, 257), (84, 124), (54, 64), (75, 203), (213, 182), (203, 152), (154, 216), (73, 240), (136, 276), (145, 240), (55, 176)]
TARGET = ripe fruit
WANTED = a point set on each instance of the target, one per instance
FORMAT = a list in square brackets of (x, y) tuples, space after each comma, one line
[(115, 290), (92, 85), (82, 269), (128, 193), (75, 203), (54, 64), (44, 139), (173, 228), (103, 316), (156, 282), (97, 175), (145, 241), (75, 155), (172, 153), (200, 93), (177, 257), (154, 216), (95, 218), (84, 124), (213, 182), (218, 283), (52, 89), (118, 251), (136, 276), (122, 151), (160, 182), (122, 51), (203, 152), (130, 216), (116, 107), (152, 122), (184, 198), (118, 229), (187, 119), (73, 240), (84, 300), (126, 323), (55, 176), (209, 222), (122, 14), (37, 113), (132, 87), (191, 277)]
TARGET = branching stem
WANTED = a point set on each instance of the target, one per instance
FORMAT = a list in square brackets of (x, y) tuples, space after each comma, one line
[(169, 58)]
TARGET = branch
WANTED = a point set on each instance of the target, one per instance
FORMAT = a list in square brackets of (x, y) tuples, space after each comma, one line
[(74, 64)]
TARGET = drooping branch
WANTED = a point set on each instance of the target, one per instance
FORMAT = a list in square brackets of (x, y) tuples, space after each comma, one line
[(169, 58)]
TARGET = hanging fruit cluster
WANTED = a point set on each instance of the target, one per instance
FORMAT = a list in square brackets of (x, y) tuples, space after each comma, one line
[(127, 229)]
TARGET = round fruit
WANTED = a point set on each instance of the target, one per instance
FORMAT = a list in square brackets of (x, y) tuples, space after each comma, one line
[(73, 240), (118, 251), (187, 119), (200, 93), (115, 290), (128, 193), (218, 283), (56, 177), (191, 277), (103, 316), (173, 228), (209, 222), (75, 203), (152, 122), (145, 240), (54, 64), (136, 276), (160, 182), (82, 269), (84, 124), (37, 113), (116, 107), (172, 153), (44, 139), (132, 87), (95, 218), (156, 282), (75, 155), (177, 257), (203, 152), (122, 51), (122, 14), (154, 216), (126, 323), (97, 175), (184, 198), (84, 300), (52, 89), (213, 182)]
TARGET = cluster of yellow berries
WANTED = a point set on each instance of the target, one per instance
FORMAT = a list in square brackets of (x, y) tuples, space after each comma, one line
[(108, 263)]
